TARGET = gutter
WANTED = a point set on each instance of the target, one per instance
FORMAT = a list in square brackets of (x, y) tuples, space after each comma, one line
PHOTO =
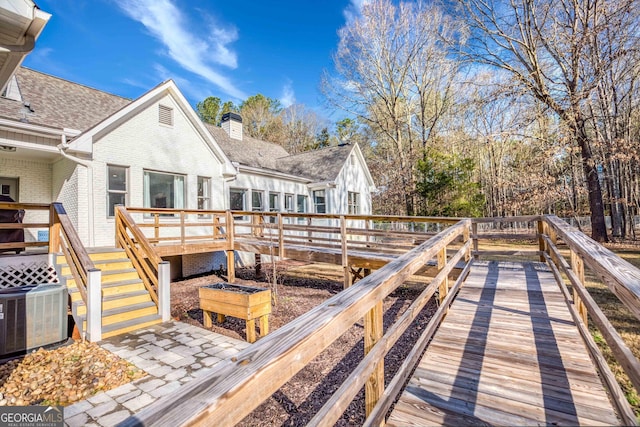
[(87, 164), (271, 173)]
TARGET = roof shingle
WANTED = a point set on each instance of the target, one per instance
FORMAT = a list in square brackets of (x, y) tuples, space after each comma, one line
[(59, 103)]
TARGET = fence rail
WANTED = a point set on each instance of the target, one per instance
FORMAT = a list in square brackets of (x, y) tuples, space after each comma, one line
[(242, 383)]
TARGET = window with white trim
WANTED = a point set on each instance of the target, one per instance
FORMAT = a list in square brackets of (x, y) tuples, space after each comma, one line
[(353, 203), (288, 203), (116, 187), (204, 195), (320, 201), (303, 203), (164, 190), (237, 199), (274, 202), (256, 201)]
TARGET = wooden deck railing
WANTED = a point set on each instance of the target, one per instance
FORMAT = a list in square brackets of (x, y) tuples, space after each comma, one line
[(622, 279), (245, 381), (165, 227), (130, 237), (242, 383), (63, 238), (539, 237), (41, 211)]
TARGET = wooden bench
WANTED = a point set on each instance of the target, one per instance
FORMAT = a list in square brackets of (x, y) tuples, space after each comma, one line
[(243, 302)]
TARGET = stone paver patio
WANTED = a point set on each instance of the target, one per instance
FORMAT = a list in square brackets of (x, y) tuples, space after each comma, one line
[(172, 354)]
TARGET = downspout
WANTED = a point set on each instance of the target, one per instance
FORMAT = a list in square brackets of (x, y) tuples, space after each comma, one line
[(225, 184), (90, 198)]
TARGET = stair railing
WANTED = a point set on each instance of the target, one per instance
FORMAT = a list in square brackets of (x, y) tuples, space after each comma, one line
[(64, 238), (153, 271)]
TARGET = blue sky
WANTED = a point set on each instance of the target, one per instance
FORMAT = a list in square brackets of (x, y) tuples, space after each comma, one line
[(230, 49)]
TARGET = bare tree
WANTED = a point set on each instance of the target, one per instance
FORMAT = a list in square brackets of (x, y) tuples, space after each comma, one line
[(300, 127), (549, 46), (391, 69)]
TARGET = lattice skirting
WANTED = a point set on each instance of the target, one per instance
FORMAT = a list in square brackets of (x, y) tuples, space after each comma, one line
[(33, 273)]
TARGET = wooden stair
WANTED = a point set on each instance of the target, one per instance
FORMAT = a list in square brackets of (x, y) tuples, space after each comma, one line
[(126, 303)]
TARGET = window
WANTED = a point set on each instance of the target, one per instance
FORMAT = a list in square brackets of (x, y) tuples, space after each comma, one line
[(274, 202), (165, 115), (163, 190), (204, 195), (302, 203), (320, 201), (116, 188), (353, 202), (237, 199), (256, 201), (288, 202)]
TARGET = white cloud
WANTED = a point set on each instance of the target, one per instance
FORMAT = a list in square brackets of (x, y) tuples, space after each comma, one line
[(189, 49), (354, 9), (288, 96)]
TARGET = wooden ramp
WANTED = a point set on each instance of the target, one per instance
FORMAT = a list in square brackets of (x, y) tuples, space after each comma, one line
[(508, 353)]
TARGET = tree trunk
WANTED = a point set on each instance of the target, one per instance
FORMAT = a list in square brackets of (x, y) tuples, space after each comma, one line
[(617, 212), (596, 206)]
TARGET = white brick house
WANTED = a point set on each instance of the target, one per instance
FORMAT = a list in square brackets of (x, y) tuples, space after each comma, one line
[(90, 150)]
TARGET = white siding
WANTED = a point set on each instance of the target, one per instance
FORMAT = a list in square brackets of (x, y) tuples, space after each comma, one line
[(142, 143), (352, 178), (69, 188), (266, 184)]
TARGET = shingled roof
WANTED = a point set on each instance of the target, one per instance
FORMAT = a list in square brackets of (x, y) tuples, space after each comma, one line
[(316, 165), (59, 103), (250, 152)]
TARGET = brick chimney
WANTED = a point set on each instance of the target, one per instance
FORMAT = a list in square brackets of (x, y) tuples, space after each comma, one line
[(232, 124)]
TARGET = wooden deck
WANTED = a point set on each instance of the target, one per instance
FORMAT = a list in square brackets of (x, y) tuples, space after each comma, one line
[(508, 353)]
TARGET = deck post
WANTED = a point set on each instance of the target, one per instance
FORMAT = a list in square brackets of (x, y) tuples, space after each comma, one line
[(164, 290), (216, 227), (94, 305), (156, 226), (554, 240), (373, 331), (444, 286), (541, 242), (54, 231), (465, 239), (231, 259), (474, 232), (182, 229), (577, 265), (280, 237), (345, 258)]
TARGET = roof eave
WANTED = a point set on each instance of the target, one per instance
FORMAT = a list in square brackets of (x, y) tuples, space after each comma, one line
[(273, 173)]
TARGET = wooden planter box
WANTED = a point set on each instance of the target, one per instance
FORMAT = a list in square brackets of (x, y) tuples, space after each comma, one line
[(243, 302)]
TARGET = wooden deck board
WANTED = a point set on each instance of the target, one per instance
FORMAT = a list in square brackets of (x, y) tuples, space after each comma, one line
[(508, 353)]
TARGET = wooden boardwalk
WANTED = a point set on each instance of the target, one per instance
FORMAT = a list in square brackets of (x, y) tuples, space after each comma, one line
[(508, 353)]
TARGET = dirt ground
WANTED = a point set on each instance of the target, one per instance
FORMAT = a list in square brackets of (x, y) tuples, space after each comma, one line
[(300, 287)]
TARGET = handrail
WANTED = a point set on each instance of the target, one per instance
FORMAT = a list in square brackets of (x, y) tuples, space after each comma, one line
[(622, 278), (78, 260), (229, 393), (139, 250)]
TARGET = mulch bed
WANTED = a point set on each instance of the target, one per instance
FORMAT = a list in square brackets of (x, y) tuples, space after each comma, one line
[(298, 400)]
